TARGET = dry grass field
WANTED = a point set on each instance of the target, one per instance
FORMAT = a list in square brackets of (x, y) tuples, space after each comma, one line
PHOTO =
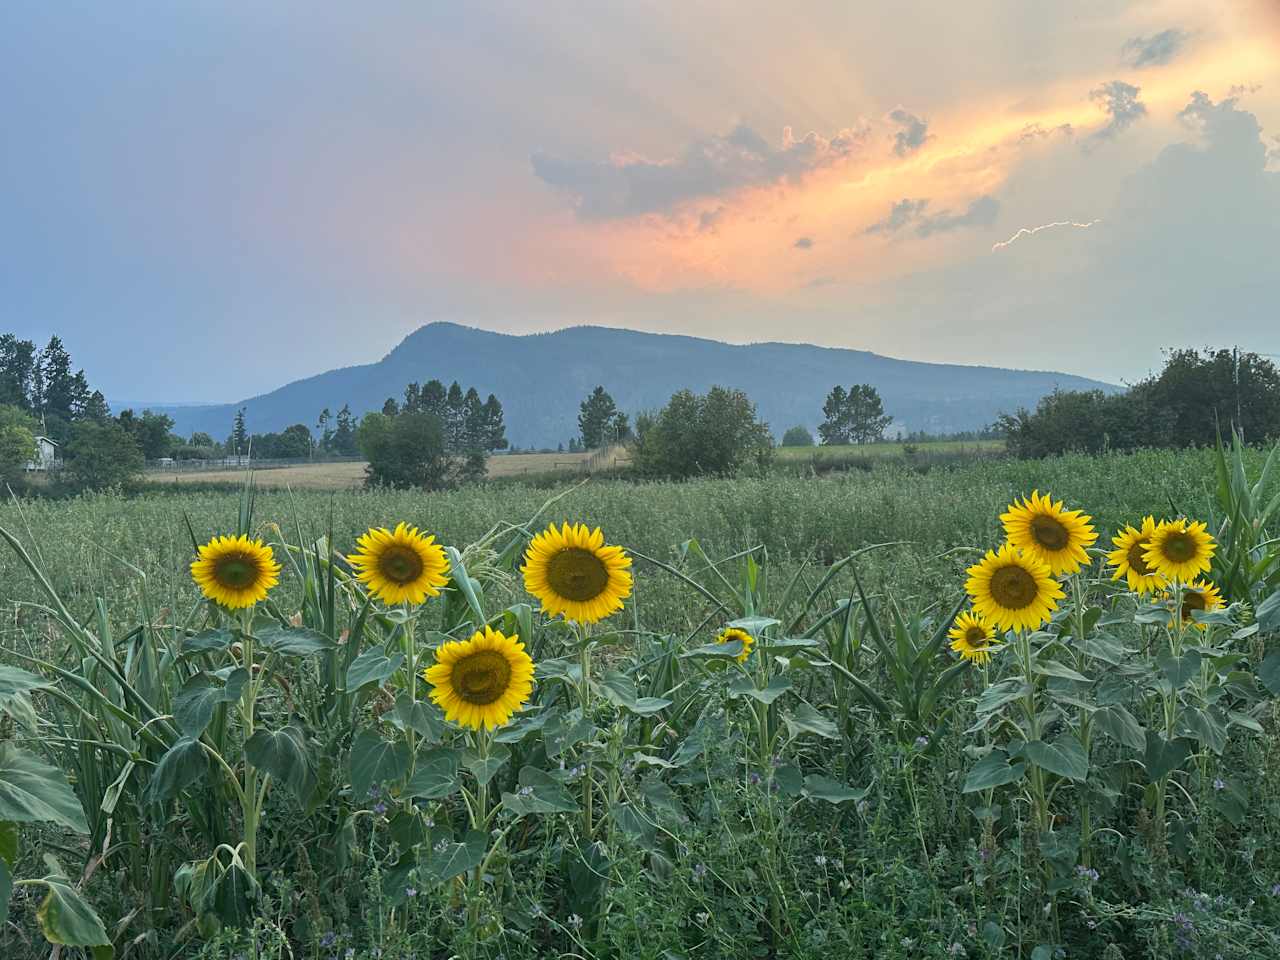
[(346, 475)]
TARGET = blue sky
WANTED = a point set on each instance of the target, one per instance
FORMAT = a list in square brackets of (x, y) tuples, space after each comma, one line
[(208, 199)]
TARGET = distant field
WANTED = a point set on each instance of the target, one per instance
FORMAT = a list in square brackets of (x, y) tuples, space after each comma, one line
[(888, 449), (346, 475)]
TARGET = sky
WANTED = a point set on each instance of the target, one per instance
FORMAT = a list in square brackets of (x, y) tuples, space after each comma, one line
[(209, 199)]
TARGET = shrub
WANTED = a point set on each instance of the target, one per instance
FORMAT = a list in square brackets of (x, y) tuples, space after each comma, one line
[(101, 455), (712, 435), (797, 437)]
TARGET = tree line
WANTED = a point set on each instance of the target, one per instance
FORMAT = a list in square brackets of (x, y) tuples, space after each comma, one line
[(1196, 397)]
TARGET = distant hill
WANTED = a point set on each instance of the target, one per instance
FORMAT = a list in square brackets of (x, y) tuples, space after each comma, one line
[(541, 378)]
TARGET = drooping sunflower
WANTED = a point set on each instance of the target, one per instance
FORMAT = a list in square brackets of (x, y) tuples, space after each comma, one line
[(972, 637), (1012, 590), (1047, 531), (400, 565), (1201, 595), (481, 681), (235, 571), (573, 572), (1129, 558), (729, 634), (1180, 550)]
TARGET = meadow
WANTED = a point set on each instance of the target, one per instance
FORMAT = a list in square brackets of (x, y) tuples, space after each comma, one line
[(1107, 786)]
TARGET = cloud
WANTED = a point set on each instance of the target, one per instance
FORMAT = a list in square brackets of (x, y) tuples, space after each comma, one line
[(913, 134), (1032, 231), (981, 212), (900, 214), (711, 167), (1153, 51), (1119, 100), (803, 243)]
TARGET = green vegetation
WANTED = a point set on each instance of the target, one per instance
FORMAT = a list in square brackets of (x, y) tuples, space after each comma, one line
[(1196, 397), (797, 437), (853, 416), (715, 435), (600, 422), (850, 791)]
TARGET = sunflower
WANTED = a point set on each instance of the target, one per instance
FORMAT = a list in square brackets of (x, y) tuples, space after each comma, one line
[(1012, 590), (1042, 529), (572, 572), (1201, 595), (1180, 550), (972, 637), (401, 565), (729, 634), (482, 681), (235, 571), (1129, 557)]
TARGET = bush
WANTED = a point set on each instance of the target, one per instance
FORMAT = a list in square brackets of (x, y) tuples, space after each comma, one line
[(797, 437), (712, 435), (101, 455)]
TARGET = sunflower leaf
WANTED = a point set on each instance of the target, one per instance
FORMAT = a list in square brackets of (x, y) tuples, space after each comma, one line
[(372, 667), (293, 641), (818, 787), (32, 790), (194, 705), (375, 761)]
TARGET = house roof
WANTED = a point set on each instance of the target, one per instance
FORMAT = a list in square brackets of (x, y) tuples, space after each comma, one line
[(47, 440)]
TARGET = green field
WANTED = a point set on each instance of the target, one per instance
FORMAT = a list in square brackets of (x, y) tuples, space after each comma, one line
[(891, 449), (798, 820)]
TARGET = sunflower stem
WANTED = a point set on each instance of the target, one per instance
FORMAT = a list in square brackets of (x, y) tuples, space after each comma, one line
[(584, 693), (250, 798)]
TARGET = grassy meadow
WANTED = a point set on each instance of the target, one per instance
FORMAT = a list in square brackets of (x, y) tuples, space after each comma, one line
[(850, 790)]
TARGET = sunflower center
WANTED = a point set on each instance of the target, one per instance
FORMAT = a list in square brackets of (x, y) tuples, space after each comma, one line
[(1191, 600), (1179, 547), (400, 564), (236, 571), (577, 574), (1137, 562), (1013, 588), (975, 637), (1049, 533), (481, 678)]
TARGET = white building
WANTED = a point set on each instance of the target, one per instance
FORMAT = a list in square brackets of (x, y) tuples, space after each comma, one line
[(46, 455)]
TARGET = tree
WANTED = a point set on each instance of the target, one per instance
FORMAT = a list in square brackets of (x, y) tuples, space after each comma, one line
[(150, 431), (495, 430), (797, 437), (343, 441), (322, 428), (101, 455), (1202, 393), (96, 408), (854, 417), (596, 415), (405, 451), (17, 442), (239, 441), (62, 393), (713, 435), (17, 371), (390, 408), (295, 442)]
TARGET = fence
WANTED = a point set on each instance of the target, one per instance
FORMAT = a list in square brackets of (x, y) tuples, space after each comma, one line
[(239, 463)]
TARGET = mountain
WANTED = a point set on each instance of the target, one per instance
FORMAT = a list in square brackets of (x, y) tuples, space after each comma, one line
[(541, 378)]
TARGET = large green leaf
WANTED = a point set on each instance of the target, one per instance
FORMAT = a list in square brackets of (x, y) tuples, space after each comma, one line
[(824, 788), (993, 770), (448, 858), (15, 693), (66, 919), (1121, 726), (620, 690), (1065, 756), (1269, 671), (746, 686), (375, 761), (372, 667), (195, 703), (422, 717), (182, 765), (483, 768), (207, 641), (716, 651), (1164, 756), (285, 755), (435, 775), (1268, 614), (293, 641), (31, 790), (539, 793), (806, 719)]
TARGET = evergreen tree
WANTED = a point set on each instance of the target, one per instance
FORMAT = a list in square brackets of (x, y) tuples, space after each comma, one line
[(596, 417), (239, 434), (322, 428), (495, 430), (856, 416), (62, 393), (95, 408), (17, 371), (390, 408), (343, 441)]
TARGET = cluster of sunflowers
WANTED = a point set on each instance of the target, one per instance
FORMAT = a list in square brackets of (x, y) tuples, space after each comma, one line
[(1018, 586), (477, 682)]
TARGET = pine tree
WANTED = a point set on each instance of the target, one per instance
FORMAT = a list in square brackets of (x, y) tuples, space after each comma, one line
[(596, 416), (240, 434)]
